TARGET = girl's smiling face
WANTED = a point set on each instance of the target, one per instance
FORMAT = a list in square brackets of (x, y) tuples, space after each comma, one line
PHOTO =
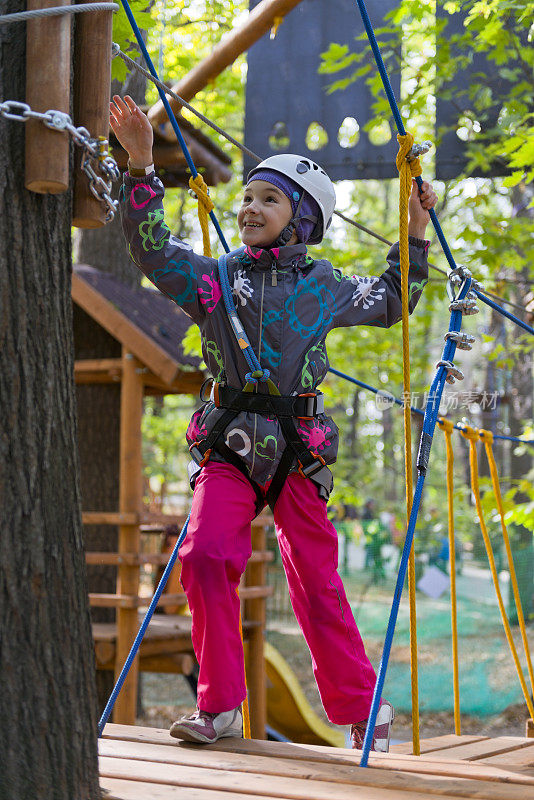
[(264, 212)]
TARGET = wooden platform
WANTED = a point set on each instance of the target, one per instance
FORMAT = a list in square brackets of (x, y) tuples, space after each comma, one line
[(146, 764)]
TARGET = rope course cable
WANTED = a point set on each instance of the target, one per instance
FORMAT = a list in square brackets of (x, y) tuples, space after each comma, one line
[(473, 437), (487, 438), (389, 398), (447, 427), (116, 51), (56, 11), (408, 166), (95, 153), (445, 372)]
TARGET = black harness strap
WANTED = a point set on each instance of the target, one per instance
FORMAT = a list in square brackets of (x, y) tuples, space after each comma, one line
[(284, 408)]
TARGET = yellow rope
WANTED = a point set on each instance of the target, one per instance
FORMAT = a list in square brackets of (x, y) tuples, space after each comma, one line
[(447, 427), (244, 705), (473, 437), (406, 171), (205, 205), (487, 438), (277, 21)]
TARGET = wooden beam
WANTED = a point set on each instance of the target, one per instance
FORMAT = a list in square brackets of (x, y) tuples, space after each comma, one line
[(110, 518), (128, 334), (130, 501), (97, 370), (185, 382), (47, 87), (255, 611), (92, 89), (258, 22)]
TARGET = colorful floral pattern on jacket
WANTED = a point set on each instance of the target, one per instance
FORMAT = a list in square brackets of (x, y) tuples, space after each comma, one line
[(287, 302)]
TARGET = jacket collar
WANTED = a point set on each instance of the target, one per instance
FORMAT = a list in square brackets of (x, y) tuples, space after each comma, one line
[(283, 256)]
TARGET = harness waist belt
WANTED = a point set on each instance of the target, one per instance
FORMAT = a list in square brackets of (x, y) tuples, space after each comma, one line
[(303, 406)]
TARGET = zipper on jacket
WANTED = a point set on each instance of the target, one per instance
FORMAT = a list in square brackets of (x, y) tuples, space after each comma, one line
[(274, 281)]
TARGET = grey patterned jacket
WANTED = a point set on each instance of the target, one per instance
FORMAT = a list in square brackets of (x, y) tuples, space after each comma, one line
[(287, 302)]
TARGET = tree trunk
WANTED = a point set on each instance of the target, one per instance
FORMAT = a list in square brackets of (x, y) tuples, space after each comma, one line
[(48, 736), (99, 405)]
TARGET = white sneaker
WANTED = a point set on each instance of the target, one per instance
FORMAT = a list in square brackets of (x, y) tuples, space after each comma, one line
[(204, 727)]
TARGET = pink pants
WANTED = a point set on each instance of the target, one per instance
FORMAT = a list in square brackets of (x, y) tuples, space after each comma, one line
[(214, 555)]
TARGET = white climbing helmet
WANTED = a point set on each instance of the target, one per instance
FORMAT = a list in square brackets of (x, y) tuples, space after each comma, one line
[(310, 177)]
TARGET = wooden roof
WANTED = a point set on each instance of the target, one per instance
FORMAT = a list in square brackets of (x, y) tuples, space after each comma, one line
[(146, 322), (169, 161)]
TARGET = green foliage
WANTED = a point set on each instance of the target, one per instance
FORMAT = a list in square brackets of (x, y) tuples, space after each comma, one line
[(125, 37)]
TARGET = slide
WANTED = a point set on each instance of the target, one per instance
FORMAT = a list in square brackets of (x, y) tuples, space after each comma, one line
[(288, 711)]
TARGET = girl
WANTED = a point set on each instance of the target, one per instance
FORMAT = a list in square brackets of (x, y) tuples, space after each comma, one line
[(262, 436)]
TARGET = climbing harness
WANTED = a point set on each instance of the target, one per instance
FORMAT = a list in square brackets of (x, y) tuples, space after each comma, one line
[(284, 407), (95, 153)]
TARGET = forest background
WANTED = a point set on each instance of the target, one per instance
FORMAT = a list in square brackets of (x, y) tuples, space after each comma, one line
[(488, 222)]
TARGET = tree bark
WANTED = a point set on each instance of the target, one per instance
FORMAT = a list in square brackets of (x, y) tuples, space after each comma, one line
[(48, 737)]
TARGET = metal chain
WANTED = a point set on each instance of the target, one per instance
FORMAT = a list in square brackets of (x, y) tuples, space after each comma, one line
[(95, 155)]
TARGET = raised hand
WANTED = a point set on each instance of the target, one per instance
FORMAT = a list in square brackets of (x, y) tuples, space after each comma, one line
[(418, 208), (132, 129)]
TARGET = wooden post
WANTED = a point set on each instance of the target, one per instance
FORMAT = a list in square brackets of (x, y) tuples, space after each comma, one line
[(255, 612), (92, 91), (530, 729), (130, 500), (258, 22), (47, 88)]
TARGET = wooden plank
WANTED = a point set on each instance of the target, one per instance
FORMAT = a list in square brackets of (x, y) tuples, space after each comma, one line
[(105, 313), (402, 764), (521, 760), (104, 600), (483, 749), (284, 786), (436, 743), (110, 517), (140, 790)]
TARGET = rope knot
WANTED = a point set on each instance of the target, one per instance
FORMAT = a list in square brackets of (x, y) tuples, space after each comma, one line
[(405, 145), (205, 207), (446, 424), (486, 436), (469, 433)]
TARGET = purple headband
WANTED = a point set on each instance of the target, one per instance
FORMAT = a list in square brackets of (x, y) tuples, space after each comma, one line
[(293, 192)]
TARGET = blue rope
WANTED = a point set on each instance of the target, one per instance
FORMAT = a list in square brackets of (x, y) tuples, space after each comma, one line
[(415, 410), (429, 424), (373, 389), (169, 111), (144, 625), (503, 311), (398, 119), (235, 322)]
